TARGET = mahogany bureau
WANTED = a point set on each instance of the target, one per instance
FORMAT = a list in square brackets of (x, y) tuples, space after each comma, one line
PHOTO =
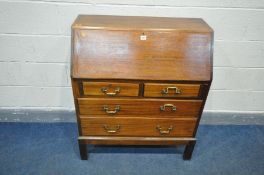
[(140, 80)]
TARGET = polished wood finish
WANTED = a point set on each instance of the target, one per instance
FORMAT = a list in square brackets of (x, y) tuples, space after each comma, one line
[(127, 57), (121, 140), (129, 126), (185, 90), (125, 89), (139, 107), (102, 22), (140, 80)]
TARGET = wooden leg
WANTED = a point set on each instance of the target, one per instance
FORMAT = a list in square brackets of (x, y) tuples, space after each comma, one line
[(83, 151), (187, 155)]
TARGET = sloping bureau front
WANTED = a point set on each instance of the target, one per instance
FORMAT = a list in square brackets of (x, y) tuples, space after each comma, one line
[(140, 80)]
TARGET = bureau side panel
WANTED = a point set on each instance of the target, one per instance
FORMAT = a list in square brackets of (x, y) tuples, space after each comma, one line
[(76, 95)]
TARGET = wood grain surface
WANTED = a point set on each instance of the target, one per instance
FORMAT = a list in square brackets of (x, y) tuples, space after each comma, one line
[(94, 126), (161, 55), (185, 90), (125, 89), (108, 22), (139, 107), (128, 140)]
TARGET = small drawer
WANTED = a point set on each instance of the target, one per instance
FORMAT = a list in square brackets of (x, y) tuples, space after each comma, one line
[(110, 89), (171, 90), (167, 127), (114, 107)]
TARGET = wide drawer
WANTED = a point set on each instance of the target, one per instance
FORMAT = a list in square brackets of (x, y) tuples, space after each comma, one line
[(139, 107), (171, 90), (110, 89), (93, 126)]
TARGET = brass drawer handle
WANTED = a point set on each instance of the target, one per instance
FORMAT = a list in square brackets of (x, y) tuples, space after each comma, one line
[(163, 108), (164, 131), (166, 90), (105, 91), (106, 109), (111, 130)]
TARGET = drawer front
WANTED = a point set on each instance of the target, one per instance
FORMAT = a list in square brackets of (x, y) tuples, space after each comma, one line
[(110, 89), (139, 107), (171, 90), (93, 126)]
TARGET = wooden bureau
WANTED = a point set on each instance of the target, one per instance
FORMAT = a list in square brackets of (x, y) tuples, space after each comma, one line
[(140, 80)]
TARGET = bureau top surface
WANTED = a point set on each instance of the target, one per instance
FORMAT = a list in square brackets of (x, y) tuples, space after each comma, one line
[(137, 53), (139, 23)]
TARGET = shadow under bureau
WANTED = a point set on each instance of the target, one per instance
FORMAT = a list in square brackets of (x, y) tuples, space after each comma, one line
[(140, 80)]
